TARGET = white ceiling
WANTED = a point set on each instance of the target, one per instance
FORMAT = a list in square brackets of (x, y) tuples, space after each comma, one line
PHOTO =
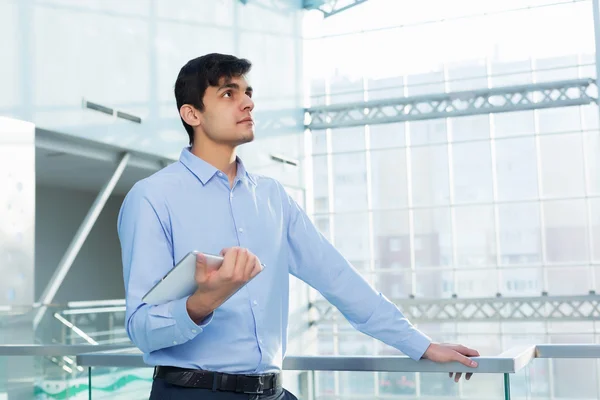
[(73, 163)]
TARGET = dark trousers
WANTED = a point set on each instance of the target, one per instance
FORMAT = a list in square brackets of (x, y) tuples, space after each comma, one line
[(162, 390)]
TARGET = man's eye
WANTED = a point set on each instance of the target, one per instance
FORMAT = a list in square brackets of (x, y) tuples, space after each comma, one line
[(227, 94)]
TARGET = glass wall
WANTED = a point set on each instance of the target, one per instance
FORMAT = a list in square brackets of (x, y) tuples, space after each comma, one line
[(469, 206)]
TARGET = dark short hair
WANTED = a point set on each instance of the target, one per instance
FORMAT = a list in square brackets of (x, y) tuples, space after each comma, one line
[(198, 74)]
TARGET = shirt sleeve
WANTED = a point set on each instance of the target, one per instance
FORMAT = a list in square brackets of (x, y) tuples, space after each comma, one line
[(317, 262), (147, 255)]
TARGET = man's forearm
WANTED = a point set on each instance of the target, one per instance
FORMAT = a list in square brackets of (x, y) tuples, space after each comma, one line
[(153, 328)]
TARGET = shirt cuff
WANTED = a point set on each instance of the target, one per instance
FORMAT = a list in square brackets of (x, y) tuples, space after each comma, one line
[(188, 328), (416, 345)]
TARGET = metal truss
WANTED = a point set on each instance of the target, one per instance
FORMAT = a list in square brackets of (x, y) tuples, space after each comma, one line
[(331, 7), (327, 7), (525, 309), (455, 104)]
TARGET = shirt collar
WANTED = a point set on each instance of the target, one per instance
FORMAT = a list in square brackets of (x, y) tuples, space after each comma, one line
[(204, 171)]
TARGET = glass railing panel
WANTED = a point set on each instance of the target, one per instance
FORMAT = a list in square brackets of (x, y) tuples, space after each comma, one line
[(573, 379), (64, 324), (121, 383)]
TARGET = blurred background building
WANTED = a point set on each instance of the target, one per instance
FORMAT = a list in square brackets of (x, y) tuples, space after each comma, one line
[(449, 149)]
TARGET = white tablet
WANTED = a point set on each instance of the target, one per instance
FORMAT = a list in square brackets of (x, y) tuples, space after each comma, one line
[(179, 282)]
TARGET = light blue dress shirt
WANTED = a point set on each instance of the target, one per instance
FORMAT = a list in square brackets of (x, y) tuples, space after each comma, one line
[(190, 205)]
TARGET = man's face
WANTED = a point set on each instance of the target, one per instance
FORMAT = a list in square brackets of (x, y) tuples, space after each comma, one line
[(227, 115)]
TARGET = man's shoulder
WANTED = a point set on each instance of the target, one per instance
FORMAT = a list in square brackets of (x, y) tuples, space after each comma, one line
[(156, 186), (266, 182)]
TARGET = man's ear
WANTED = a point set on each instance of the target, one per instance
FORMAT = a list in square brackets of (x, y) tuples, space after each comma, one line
[(190, 115)]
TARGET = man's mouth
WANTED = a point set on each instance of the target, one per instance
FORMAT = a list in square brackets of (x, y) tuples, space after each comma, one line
[(247, 119)]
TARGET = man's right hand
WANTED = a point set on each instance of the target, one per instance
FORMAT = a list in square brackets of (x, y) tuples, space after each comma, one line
[(215, 287)]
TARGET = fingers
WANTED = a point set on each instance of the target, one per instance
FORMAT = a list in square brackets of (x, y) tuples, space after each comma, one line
[(464, 360), (467, 351), (468, 376), (257, 268), (201, 268), (230, 256), (249, 267)]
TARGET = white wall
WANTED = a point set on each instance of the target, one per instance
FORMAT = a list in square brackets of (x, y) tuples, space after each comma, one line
[(96, 273)]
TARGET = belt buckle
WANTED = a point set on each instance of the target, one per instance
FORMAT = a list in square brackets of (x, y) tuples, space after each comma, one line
[(259, 389)]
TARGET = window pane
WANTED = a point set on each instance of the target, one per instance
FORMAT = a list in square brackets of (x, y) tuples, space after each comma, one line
[(475, 236), (433, 237), (432, 284), (392, 239), (322, 224), (467, 77), (563, 119), (590, 115), (387, 135), (566, 237), (511, 73), (352, 235), (592, 151), (472, 127), (430, 175), (349, 182), (514, 123), (472, 172), (427, 83), (320, 184), (395, 285), (319, 142), (386, 88), (397, 383), (520, 241), (516, 169), (595, 216), (562, 165), (556, 68), (428, 132), (345, 91), (347, 139), (482, 283), (522, 281), (360, 382), (388, 178), (565, 281)]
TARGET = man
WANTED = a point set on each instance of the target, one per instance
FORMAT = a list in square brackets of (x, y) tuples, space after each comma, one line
[(215, 345)]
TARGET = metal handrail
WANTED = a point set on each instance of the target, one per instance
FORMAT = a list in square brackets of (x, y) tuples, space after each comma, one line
[(28, 350), (511, 361)]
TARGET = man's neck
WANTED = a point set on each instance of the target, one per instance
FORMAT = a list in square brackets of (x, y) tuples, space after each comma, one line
[(221, 157)]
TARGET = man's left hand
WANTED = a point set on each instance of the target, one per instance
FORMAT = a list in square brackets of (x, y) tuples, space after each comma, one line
[(443, 353)]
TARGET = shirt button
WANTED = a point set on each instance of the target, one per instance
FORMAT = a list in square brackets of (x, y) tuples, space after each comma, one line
[(194, 331), (174, 341), (255, 302), (260, 341), (241, 230)]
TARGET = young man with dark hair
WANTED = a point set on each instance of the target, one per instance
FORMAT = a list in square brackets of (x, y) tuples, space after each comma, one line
[(214, 345)]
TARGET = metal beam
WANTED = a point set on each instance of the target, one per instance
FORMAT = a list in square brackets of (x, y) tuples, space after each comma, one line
[(77, 242), (331, 7), (455, 104), (524, 309), (596, 16)]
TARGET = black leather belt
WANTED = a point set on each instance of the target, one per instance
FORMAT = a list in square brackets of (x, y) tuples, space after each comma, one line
[(200, 379)]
